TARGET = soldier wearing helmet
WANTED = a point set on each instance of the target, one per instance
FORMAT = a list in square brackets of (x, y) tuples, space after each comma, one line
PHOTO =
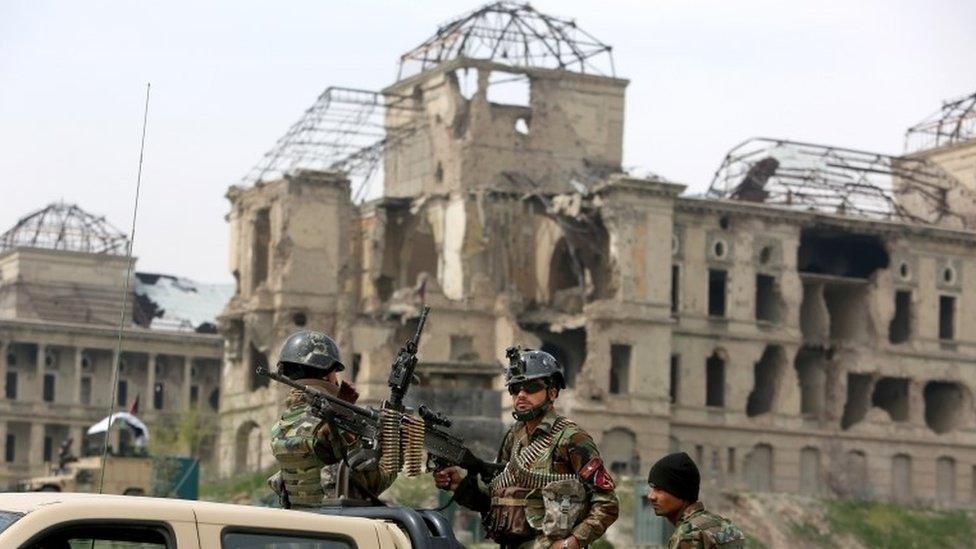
[(317, 460), (555, 491)]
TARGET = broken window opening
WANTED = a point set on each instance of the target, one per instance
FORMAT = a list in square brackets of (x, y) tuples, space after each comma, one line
[(260, 247), (947, 317), (858, 399), (675, 379), (767, 298), (717, 280), (511, 89), (891, 395), (810, 367), (567, 347), (849, 312), (419, 256), (619, 369), (944, 405), (715, 381), (840, 254), (769, 372), (565, 269), (814, 316), (258, 358), (465, 81), (675, 287), (900, 328), (462, 348)]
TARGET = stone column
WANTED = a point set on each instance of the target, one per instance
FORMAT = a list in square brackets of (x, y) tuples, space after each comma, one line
[(4, 348), (39, 375), (151, 381), (75, 397), (113, 372), (35, 455), (185, 390)]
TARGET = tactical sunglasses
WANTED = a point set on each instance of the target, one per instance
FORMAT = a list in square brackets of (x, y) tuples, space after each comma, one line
[(530, 387)]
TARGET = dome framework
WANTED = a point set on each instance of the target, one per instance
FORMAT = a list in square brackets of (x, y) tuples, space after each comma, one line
[(61, 226)]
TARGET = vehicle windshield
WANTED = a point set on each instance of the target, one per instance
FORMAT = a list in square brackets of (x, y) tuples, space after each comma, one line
[(7, 518)]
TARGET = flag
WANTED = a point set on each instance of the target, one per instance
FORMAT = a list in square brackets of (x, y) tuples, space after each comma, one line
[(134, 410)]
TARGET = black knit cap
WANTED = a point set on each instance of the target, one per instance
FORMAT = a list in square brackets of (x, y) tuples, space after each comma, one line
[(677, 475)]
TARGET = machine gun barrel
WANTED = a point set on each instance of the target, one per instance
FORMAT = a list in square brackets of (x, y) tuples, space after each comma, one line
[(401, 374), (358, 420)]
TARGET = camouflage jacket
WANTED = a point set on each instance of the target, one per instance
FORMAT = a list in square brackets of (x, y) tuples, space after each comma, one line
[(573, 452), (309, 454), (699, 529)]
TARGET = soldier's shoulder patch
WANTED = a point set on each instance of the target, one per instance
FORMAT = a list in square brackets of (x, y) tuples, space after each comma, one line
[(595, 472)]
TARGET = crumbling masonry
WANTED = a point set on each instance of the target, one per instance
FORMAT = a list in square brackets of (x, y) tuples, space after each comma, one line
[(802, 328)]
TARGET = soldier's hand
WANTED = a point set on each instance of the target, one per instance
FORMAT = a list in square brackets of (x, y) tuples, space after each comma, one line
[(448, 478), (568, 543)]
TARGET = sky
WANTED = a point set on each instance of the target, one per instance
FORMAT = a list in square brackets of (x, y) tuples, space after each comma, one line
[(229, 77)]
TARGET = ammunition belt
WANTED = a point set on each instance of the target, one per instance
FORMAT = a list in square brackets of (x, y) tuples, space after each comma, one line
[(518, 470)]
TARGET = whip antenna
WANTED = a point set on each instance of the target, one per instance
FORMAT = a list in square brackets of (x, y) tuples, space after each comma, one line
[(113, 388)]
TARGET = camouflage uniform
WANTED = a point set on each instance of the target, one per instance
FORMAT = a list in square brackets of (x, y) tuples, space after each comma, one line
[(572, 452), (309, 454), (699, 529)]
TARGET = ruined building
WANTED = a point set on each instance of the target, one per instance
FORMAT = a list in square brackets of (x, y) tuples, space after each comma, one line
[(61, 280), (803, 327)]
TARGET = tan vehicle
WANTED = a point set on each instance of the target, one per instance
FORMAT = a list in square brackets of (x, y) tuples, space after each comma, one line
[(128, 475), (64, 521)]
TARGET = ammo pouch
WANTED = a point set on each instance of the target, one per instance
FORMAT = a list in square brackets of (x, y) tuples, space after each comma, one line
[(564, 504), (506, 522)]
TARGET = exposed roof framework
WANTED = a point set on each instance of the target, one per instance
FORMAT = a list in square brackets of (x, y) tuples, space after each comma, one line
[(345, 130), (831, 179), (514, 34), (61, 226), (953, 123)]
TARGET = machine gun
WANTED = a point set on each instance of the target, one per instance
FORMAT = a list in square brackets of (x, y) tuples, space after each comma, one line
[(405, 439)]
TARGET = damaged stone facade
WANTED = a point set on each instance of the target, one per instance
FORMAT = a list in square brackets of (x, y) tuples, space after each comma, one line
[(785, 350), (59, 332)]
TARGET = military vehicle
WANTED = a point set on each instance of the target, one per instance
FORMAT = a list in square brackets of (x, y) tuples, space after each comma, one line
[(46, 520)]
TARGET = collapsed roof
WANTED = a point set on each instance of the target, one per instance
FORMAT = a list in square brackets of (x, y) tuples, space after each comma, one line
[(167, 302), (834, 180), (954, 123)]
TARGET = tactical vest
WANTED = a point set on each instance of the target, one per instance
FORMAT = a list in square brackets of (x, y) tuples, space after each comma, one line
[(293, 441), (517, 509)]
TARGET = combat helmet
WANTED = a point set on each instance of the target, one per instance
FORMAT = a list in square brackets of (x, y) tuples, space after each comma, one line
[(309, 349), (526, 365)]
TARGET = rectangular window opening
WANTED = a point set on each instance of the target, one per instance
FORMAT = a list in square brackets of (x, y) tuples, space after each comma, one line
[(900, 328), (717, 280), (48, 448), (86, 386), (122, 395), (715, 382), (619, 369), (675, 373), (11, 390), (767, 300), (158, 395), (48, 393), (10, 450), (675, 287), (947, 317)]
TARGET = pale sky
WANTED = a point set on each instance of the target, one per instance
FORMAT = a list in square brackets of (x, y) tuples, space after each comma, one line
[(229, 77)]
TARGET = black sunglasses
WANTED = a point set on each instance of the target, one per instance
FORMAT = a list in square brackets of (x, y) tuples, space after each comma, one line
[(530, 387)]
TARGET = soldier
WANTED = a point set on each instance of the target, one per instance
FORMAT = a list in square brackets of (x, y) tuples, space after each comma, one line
[(555, 491), (309, 449), (674, 481)]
